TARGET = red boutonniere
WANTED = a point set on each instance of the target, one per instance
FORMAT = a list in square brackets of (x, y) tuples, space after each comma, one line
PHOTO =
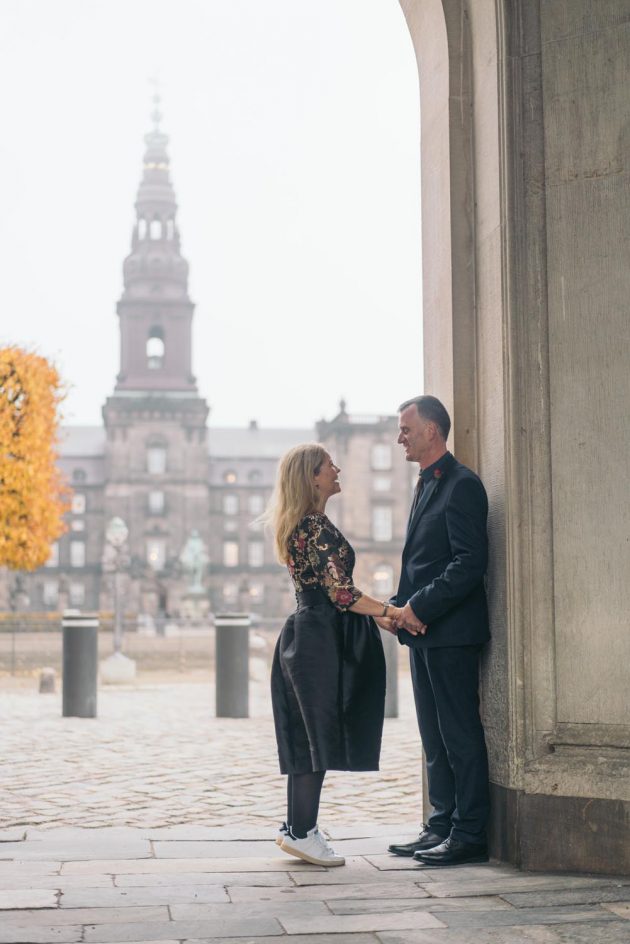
[(437, 474)]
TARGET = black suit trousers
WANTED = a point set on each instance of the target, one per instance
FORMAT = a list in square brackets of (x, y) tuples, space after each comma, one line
[(445, 684)]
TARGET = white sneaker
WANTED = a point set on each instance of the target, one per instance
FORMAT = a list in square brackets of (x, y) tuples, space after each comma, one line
[(283, 831), (314, 848)]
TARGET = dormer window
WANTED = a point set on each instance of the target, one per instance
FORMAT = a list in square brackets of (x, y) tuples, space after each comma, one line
[(155, 349)]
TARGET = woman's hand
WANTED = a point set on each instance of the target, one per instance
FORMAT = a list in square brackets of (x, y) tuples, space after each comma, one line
[(386, 623)]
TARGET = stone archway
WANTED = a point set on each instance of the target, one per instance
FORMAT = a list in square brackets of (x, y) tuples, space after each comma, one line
[(524, 189)]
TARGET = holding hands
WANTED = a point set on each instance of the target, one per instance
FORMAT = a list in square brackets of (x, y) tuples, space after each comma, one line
[(401, 618)]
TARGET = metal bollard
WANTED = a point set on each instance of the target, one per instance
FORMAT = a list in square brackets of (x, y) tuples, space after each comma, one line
[(232, 665), (391, 647), (80, 664)]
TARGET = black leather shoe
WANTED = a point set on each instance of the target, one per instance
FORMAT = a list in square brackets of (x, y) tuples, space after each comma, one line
[(426, 840), (452, 852)]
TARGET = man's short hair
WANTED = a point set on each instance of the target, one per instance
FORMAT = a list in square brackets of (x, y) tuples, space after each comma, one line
[(430, 409)]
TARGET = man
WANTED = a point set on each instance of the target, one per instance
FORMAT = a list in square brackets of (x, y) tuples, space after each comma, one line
[(445, 624)]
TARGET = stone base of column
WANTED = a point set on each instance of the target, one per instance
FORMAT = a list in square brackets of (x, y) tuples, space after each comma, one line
[(559, 833)]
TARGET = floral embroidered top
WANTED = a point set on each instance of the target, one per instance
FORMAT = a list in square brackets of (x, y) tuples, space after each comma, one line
[(320, 558)]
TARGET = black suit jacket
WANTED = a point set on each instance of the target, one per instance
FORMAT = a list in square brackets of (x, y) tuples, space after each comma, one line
[(445, 558)]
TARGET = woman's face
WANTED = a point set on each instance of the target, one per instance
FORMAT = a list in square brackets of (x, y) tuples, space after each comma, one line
[(326, 479)]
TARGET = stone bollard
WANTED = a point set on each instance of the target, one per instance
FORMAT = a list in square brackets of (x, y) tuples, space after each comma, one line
[(391, 647), (80, 664), (232, 665), (47, 678)]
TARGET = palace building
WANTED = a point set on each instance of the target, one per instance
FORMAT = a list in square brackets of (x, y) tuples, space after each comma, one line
[(157, 464)]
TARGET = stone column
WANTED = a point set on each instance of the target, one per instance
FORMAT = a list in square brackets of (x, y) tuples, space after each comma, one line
[(525, 143)]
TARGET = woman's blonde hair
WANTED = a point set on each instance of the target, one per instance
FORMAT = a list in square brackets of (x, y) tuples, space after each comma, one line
[(295, 494)]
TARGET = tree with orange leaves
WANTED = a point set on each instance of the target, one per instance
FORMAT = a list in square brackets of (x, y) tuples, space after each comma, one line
[(33, 498)]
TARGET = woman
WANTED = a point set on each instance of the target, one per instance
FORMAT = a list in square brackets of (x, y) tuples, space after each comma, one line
[(328, 675)]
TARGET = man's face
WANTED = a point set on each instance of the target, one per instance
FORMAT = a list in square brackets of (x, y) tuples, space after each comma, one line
[(414, 434)]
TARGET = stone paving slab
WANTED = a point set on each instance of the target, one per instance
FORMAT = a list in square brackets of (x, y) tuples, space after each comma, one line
[(27, 898), (20, 934), (152, 895), (335, 924), (294, 939), (43, 882), (88, 848), (14, 834), (518, 916), (328, 893), (164, 866), (261, 880), (569, 896), (58, 916), (274, 909), (417, 903), (523, 935), (181, 930)]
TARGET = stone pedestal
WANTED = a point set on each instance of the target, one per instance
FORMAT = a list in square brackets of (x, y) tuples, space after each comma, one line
[(117, 669)]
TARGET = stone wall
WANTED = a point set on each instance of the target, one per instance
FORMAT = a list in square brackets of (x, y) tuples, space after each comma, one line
[(525, 133)]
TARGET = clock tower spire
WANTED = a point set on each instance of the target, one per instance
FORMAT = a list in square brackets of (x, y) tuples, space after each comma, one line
[(155, 311)]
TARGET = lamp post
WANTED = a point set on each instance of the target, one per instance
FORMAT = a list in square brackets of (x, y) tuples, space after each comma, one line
[(116, 535), (117, 668)]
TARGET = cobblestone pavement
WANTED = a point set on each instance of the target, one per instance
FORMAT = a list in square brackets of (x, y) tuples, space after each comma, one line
[(157, 756), (198, 884)]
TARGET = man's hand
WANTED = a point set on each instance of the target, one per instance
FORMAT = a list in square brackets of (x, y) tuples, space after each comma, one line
[(409, 621), (384, 622)]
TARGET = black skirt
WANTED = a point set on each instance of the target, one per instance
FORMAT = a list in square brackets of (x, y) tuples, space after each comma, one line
[(328, 689)]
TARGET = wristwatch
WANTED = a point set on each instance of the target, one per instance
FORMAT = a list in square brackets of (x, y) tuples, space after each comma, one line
[(385, 608)]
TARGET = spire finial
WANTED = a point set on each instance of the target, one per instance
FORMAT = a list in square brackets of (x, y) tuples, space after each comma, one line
[(156, 114)]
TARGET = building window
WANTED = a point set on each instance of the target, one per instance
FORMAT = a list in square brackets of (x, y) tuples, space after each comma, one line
[(50, 593), (53, 559), (77, 593), (155, 229), (77, 525), (381, 523), (156, 503), (230, 476), (230, 593), (78, 504), (256, 504), (255, 553), (79, 475), (254, 475), (230, 553), (170, 229), (257, 592), (382, 483), (383, 581), (142, 229), (77, 553), (156, 460), (381, 456), (230, 504), (156, 553), (155, 350)]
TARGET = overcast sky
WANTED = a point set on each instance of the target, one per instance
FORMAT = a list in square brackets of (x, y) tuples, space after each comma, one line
[(294, 144)]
